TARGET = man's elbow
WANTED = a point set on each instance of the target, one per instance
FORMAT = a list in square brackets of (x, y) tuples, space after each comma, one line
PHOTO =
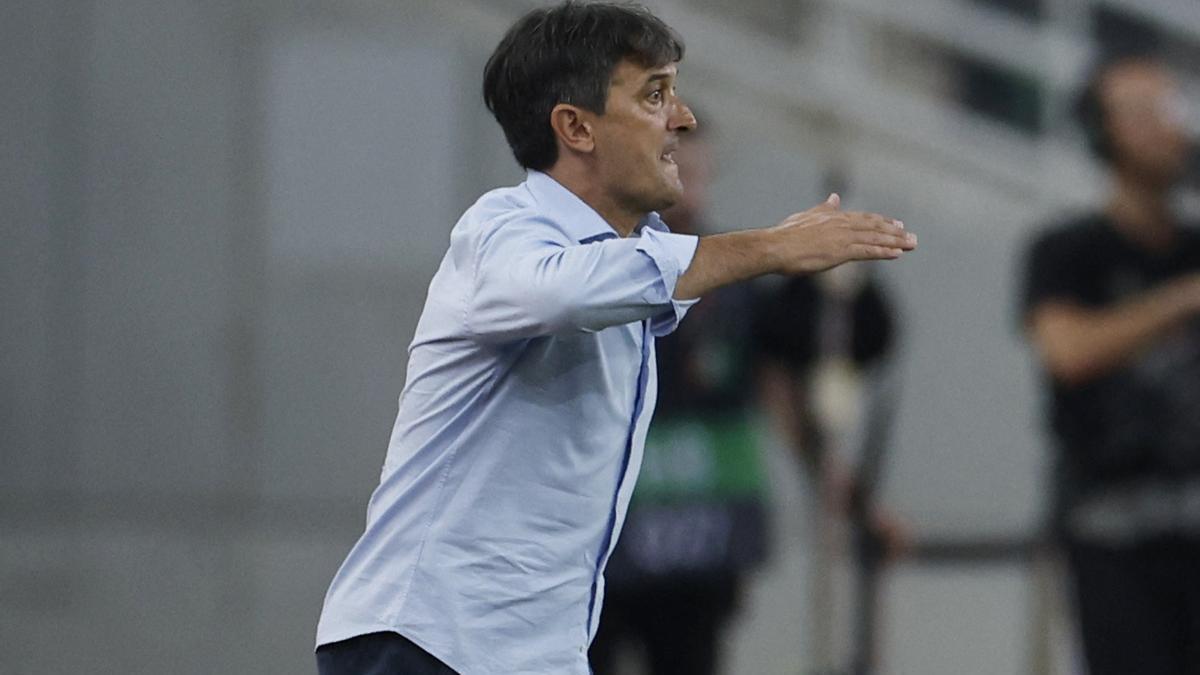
[(1070, 367), (1065, 345), (522, 312)]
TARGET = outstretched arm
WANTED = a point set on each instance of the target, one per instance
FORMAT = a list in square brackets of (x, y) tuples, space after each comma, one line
[(526, 283), (805, 242)]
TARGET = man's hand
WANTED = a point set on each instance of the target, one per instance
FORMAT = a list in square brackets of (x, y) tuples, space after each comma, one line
[(891, 531), (806, 242), (825, 236)]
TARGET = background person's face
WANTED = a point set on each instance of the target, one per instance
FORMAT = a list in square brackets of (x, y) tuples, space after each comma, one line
[(1144, 116), (637, 135)]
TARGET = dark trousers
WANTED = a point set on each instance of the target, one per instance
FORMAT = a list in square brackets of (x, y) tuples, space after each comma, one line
[(1139, 606), (378, 654), (679, 625)]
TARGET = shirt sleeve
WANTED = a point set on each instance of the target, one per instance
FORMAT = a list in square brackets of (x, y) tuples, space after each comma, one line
[(1053, 270), (530, 280), (672, 254)]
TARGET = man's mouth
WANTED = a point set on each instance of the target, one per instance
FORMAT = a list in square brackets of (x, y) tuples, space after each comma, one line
[(668, 157)]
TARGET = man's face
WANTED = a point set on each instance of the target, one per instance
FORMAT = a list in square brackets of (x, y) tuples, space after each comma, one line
[(637, 135), (694, 159), (1145, 120)]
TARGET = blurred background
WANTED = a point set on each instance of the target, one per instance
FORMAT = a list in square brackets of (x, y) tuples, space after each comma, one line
[(219, 219)]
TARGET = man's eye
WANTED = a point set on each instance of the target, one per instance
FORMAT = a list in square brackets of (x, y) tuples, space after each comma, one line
[(656, 95)]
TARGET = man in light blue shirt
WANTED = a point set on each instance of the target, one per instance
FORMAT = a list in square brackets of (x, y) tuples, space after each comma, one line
[(531, 378)]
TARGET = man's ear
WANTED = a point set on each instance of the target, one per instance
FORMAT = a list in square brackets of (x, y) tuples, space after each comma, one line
[(573, 127)]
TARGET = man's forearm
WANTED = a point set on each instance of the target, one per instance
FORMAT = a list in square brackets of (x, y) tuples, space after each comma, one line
[(723, 259), (1079, 344), (809, 241)]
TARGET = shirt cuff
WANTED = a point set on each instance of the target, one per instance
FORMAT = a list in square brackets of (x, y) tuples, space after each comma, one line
[(672, 254)]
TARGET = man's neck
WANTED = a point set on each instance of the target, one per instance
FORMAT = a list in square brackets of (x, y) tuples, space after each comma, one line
[(1139, 210), (681, 220), (582, 184)]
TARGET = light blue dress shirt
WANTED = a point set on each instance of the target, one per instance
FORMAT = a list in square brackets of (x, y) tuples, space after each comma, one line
[(531, 382)]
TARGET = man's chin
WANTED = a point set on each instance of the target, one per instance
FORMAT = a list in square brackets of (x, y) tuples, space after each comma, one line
[(667, 200), (667, 194), (1162, 171), (1169, 176), (672, 193)]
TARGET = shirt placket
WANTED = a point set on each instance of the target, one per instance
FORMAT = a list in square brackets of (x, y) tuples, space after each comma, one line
[(638, 403)]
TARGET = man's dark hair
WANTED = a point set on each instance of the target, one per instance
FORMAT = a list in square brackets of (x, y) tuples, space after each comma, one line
[(567, 54)]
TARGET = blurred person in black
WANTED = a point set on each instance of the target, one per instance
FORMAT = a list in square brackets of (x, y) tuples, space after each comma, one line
[(813, 337), (698, 520), (1111, 304)]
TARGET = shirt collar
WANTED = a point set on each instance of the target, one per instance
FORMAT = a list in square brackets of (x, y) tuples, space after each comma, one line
[(579, 220)]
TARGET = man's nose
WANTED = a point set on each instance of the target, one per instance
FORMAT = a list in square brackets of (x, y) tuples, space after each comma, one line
[(683, 119)]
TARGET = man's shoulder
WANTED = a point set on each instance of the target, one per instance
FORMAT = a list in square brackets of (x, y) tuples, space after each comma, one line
[(503, 209), (499, 204)]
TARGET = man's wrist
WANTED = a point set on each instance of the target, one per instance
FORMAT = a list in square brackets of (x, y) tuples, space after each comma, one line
[(763, 247)]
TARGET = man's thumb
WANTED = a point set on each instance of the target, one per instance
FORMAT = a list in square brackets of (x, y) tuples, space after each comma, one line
[(834, 201)]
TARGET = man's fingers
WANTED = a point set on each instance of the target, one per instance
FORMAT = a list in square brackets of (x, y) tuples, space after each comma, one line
[(832, 203), (874, 252), (861, 220), (906, 241), (874, 226), (902, 240)]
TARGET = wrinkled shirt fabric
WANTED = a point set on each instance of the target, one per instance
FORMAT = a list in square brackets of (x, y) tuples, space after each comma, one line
[(531, 382)]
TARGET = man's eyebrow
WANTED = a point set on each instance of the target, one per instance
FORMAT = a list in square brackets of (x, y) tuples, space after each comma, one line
[(660, 76)]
